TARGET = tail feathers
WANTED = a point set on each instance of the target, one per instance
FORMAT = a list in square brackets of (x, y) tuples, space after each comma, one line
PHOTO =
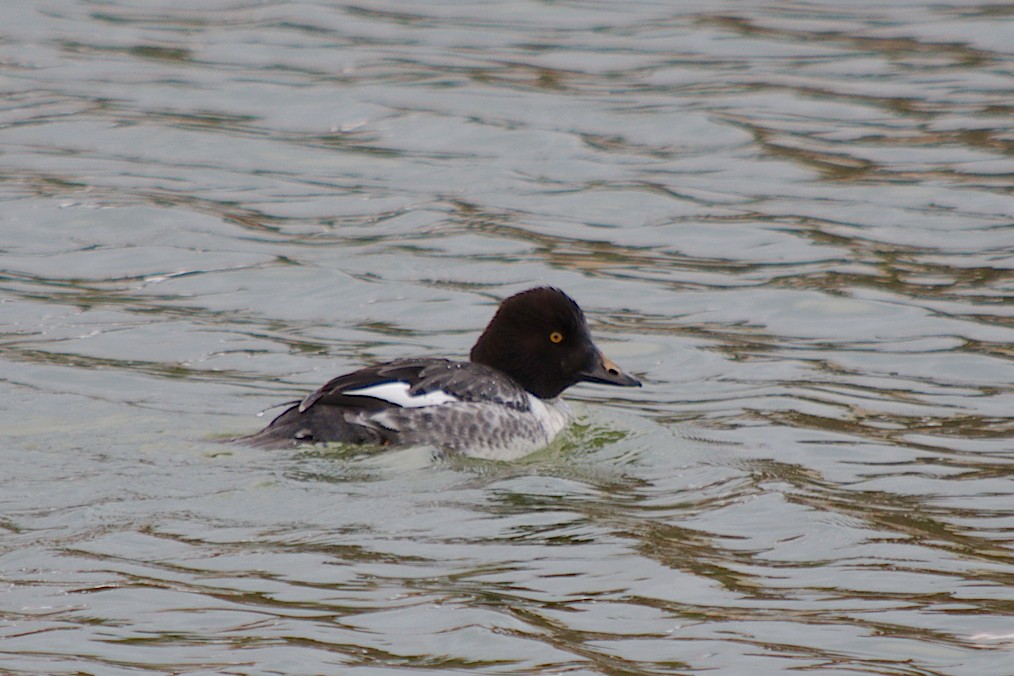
[(318, 424)]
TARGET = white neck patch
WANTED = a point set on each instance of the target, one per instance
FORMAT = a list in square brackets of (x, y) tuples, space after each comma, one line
[(397, 394)]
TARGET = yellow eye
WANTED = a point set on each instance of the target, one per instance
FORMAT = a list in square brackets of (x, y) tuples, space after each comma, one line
[(556, 337)]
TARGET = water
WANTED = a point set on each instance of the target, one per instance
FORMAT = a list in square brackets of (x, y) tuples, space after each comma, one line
[(793, 221)]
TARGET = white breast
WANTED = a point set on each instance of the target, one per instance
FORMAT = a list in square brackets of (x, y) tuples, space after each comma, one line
[(553, 415), (398, 394)]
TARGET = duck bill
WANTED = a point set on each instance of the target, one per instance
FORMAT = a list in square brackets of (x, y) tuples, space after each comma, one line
[(605, 371)]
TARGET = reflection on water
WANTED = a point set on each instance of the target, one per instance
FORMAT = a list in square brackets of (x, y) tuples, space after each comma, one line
[(793, 221)]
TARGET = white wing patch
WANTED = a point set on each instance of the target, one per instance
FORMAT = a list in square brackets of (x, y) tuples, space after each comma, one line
[(397, 393)]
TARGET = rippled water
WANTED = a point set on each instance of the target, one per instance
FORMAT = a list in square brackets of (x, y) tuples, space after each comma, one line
[(792, 220)]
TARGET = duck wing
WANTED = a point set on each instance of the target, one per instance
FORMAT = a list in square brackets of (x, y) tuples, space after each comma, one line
[(417, 382)]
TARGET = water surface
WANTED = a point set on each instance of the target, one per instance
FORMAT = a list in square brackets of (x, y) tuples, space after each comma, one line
[(793, 221)]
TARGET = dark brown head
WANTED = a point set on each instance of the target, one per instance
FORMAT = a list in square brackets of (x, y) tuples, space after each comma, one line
[(540, 339)]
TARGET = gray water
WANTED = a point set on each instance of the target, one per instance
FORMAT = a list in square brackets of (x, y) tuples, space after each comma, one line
[(792, 220)]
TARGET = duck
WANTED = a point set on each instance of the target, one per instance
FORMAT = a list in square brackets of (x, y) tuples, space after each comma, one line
[(501, 404)]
